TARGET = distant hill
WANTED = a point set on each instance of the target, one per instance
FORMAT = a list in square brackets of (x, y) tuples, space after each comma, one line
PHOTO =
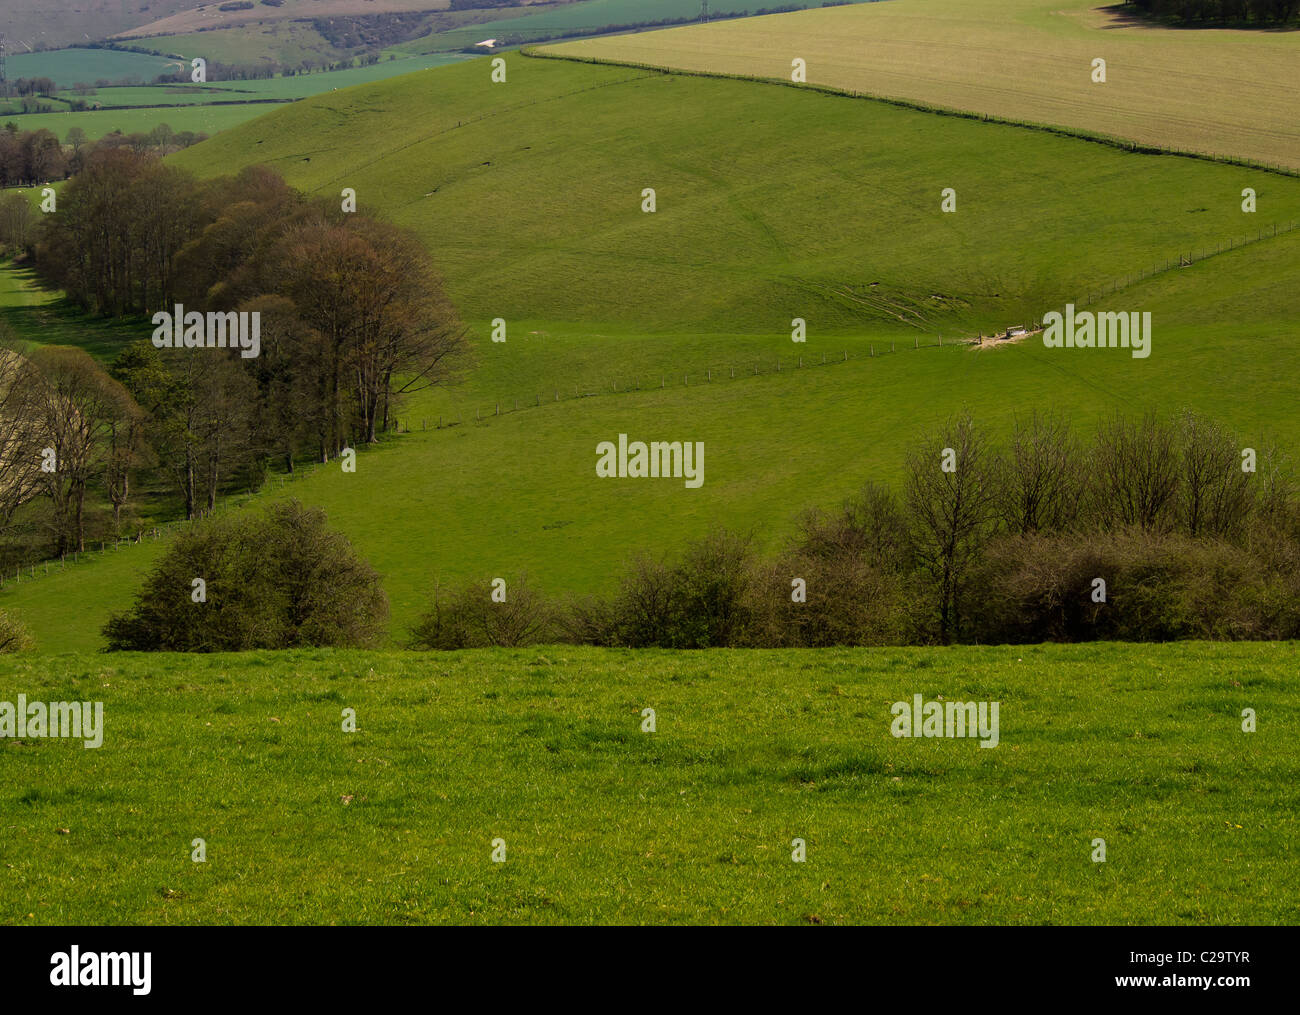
[(28, 23)]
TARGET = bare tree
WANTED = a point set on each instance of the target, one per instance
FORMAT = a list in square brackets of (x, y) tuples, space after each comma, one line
[(1134, 473), (1214, 492), (1038, 480), (77, 406), (21, 442), (950, 500)]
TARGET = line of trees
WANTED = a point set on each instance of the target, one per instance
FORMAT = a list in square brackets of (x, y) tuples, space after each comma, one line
[(352, 319), (1151, 531), (32, 157), (1271, 12), (66, 427)]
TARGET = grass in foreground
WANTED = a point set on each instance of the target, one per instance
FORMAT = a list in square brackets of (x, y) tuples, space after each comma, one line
[(1139, 745)]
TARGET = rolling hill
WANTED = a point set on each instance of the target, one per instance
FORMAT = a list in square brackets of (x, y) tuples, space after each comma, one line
[(1225, 91), (773, 203)]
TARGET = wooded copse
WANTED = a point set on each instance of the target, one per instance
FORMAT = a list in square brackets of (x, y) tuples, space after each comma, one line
[(1269, 12), (352, 318), (30, 158)]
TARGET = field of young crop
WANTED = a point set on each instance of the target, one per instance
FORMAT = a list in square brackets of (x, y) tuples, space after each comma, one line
[(584, 16), (1141, 746), (67, 67), (1223, 91)]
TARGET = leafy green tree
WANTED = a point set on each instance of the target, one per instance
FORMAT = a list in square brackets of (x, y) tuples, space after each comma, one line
[(276, 581)]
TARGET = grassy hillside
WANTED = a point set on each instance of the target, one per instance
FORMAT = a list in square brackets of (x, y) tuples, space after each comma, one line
[(532, 209), (1224, 91), (772, 203), (276, 42), (68, 22), (518, 492), (1138, 745)]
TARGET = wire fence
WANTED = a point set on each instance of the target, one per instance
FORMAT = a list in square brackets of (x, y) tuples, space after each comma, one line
[(708, 375), (794, 361), (147, 534)]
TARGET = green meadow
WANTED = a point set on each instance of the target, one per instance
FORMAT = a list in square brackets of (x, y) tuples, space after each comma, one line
[(1141, 746), (773, 203), (97, 123), (67, 67)]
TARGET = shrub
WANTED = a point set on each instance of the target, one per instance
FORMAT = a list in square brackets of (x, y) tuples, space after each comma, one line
[(849, 601), (469, 617), (13, 634), (702, 601), (282, 580), (1159, 587)]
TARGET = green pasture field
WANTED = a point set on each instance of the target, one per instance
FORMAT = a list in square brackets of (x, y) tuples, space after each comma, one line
[(69, 66), (1141, 746), (97, 123), (532, 209), (1229, 92)]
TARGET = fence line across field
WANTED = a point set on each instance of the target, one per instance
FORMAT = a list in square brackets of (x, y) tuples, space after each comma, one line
[(795, 361), (751, 368)]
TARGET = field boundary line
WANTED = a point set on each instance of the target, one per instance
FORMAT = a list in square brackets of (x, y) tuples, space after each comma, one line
[(1078, 133)]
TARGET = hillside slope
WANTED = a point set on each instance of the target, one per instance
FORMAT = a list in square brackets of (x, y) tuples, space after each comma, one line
[(773, 203), (1230, 92)]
